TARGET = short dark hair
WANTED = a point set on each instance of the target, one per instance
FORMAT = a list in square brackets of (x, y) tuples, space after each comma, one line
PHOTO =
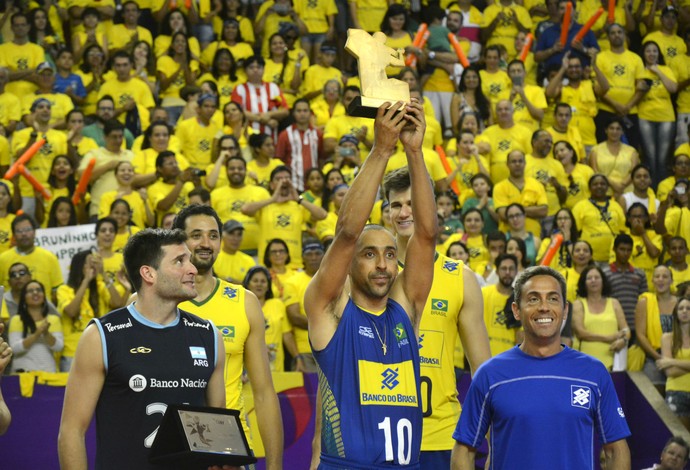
[(121, 55), (495, 236), (622, 239), (505, 256), (201, 192), (112, 125), (681, 442), (562, 105), (145, 248), (162, 156), (255, 59), (23, 218), (533, 271), (238, 158), (582, 282), (180, 221), (280, 169)]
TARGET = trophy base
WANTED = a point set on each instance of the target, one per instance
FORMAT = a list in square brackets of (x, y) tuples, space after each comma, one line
[(363, 106)]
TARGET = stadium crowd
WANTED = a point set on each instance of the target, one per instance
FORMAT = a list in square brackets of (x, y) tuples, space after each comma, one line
[(545, 141)]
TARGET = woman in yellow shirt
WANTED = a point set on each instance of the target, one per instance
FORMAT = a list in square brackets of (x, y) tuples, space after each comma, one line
[(231, 39), (138, 209), (91, 72), (224, 74), (82, 298), (93, 33), (577, 173), (235, 123), (175, 21), (598, 320), (647, 244), (264, 151), (395, 27), (582, 258), (614, 159), (42, 32), (277, 259), (175, 70), (121, 212), (62, 213), (675, 362), (655, 111), (61, 182), (282, 70), (653, 318), (278, 329), (144, 64)]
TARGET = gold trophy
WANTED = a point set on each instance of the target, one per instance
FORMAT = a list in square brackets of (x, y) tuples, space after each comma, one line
[(373, 56)]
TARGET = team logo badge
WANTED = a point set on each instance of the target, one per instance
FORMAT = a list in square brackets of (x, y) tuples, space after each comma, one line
[(137, 383), (390, 379), (580, 397)]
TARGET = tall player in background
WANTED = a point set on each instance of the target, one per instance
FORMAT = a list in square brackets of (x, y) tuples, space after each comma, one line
[(237, 314), (364, 332), (453, 307)]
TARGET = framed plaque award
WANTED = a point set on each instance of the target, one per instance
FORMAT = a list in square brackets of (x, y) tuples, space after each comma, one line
[(193, 437)]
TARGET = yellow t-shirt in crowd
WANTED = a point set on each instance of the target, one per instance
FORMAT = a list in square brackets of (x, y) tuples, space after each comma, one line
[(295, 288), (72, 328), (599, 225), (277, 324), (502, 142), (21, 58), (41, 162), (196, 141), (228, 202), (501, 338), (532, 194), (542, 169), (621, 71), (232, 267), (656, 104)]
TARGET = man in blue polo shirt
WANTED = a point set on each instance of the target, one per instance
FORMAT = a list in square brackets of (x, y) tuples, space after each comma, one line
[(541, 399)]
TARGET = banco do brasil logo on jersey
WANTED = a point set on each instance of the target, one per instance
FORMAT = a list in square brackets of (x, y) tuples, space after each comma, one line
[(390, 379)]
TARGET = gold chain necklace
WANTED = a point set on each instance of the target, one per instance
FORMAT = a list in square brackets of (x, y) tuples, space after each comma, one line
[(385, 335)]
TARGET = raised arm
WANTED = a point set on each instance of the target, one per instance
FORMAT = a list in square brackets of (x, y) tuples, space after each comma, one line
[(414, 283), (324, 299)]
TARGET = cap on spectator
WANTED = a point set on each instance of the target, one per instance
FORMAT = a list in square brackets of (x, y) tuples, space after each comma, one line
[(328, 48), (231, 225), (38, 101), (313, 246), (348, 138), (669, 9), (231, 21), (189, 90), (43, 66), (207, 96)]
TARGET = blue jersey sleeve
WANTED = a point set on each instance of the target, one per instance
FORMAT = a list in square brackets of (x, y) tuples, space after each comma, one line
[(475, 416), (610, 418)]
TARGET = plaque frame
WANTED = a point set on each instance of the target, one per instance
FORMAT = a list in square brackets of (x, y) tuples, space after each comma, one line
[(172, 447)]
